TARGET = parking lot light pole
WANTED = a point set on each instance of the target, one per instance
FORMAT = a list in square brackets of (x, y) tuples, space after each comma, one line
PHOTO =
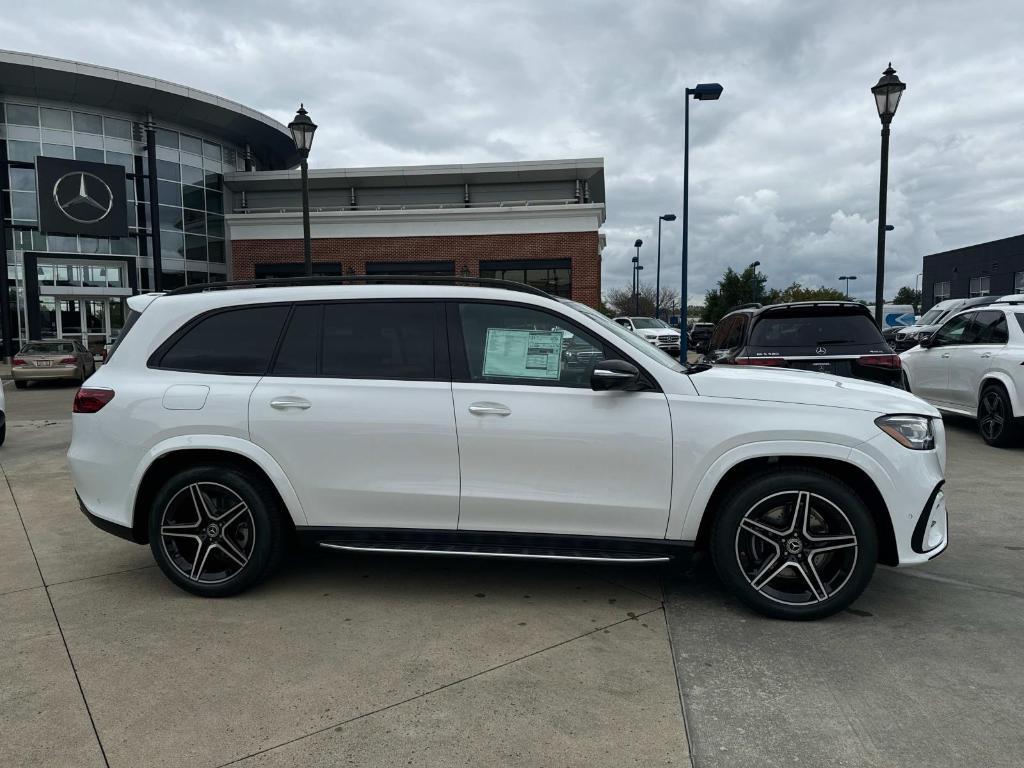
[(302, 129), (636, 277), (887, 91), (754, 266), (701, 92), (847, 278), (657, 270)]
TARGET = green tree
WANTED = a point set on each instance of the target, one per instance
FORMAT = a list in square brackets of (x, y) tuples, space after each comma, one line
[(734, 288), (797, 292), (908, 295)]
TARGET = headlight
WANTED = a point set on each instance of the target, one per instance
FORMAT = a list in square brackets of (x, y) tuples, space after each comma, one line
[(910, 431)]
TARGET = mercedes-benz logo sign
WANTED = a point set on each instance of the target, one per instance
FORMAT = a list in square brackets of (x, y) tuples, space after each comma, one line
[(820, 351), (83, 197)]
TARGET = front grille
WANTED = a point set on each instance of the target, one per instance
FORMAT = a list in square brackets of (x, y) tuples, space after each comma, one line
[(668, 338)]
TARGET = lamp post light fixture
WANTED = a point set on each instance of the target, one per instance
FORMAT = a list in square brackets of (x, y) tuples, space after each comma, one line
[(636, 276), (657, 270), (847, 278), (302, 129), (701, 92), (887, 91), (754, 266)]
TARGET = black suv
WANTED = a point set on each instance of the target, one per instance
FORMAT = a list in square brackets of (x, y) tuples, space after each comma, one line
[(838, 337)]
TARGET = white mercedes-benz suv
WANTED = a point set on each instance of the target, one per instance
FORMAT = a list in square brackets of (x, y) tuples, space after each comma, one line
[(455, 420)]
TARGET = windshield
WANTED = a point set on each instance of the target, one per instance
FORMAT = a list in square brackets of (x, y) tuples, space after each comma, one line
[(639, 345), (663, 324), (645, 322), (931, 316), (790, 331)]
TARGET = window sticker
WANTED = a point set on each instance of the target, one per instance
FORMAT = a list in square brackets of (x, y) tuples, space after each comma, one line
[(523, 354)]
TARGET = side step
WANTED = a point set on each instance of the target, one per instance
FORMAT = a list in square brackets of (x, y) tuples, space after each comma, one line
[(484, 550)]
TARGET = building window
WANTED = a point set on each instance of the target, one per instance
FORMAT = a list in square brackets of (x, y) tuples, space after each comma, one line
[(1018, 282), (410, 268), (553, 276), (979, 286), (941, 291)]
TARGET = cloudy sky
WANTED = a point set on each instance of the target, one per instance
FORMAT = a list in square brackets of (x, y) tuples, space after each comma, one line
[(784, 169)]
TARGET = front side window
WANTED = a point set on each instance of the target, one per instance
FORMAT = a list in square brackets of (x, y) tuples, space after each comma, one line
[(506, 344), (954, 331), (646, 350), (235, 341), (991, 328), (382, 340)]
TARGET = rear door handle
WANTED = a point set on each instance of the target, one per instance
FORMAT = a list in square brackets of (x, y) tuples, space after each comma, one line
[(283, 403), (945, 354), (986, 354), (489, 409)]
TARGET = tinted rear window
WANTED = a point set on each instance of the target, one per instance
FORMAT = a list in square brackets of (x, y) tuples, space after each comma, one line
[(386, 340), (237, 341), (55, 348), (810, 331), (298, 353)]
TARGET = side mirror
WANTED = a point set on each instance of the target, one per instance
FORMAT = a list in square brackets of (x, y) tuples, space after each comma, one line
[(926, 342), (614, 374)]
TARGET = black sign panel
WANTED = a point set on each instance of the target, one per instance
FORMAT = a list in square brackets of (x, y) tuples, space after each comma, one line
[(81, 198)]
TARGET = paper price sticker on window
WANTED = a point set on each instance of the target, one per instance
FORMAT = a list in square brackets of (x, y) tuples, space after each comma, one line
[(523, 354)]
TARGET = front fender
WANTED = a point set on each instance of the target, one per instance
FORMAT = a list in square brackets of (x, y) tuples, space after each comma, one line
[(684, 522), (227, 444)]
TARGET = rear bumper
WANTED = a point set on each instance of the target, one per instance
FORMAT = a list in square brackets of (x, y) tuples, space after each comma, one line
[(121, 531), (23, 373)]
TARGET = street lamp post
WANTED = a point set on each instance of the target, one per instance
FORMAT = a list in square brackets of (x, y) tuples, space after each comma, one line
[(636, 277), (657, 270), (701, 92), (847, 278), (887, 92), (754, 266), (302, 129)]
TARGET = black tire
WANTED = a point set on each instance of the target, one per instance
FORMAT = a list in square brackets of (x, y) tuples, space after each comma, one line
[(21, 384), (996, 423), (806, 571), (242, 546)]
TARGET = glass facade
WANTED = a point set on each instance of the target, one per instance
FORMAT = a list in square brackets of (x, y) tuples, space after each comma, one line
[(554, 277), (979, 286), (940, 292), (189, 170)]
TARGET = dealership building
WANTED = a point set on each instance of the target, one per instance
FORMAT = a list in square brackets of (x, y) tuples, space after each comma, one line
[(116, 183), (995, 268)]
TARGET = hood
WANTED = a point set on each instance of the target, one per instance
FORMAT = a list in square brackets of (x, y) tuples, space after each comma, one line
[(806, 388), (655, 332)]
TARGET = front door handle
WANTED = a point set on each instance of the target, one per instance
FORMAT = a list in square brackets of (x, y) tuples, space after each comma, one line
[(283, 403), (986, 354), (489, 409), (945, 354)]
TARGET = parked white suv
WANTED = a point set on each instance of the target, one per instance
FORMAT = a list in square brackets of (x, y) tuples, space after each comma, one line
[(974, 366), (655, 331), (447, 420)]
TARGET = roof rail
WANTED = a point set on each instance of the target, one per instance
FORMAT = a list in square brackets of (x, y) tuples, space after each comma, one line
[(749, 305), (285, 282)]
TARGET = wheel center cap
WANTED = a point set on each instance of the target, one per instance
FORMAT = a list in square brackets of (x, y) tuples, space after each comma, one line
[(213, 530), (794, 546)]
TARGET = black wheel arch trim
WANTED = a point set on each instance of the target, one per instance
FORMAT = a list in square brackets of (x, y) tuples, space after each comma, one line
[(108, 526)]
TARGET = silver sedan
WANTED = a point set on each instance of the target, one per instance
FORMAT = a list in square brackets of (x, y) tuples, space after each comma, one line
[(45, 360)]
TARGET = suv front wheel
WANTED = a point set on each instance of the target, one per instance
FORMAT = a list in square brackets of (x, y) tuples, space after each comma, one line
[(216, 530), (795, 544)]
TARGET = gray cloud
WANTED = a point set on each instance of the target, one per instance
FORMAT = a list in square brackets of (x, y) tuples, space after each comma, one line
[(784, 169)]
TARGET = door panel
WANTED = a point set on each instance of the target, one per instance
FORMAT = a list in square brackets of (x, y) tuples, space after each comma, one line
[(930, 374), (363, 452), (541, 451), (985, 338), (564, 460)]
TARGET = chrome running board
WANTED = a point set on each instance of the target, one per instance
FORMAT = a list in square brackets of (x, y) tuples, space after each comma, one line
[(483, 551)]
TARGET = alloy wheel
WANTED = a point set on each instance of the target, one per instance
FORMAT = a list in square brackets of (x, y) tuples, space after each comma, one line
[(207, 532), (992, 415), (796, 548)]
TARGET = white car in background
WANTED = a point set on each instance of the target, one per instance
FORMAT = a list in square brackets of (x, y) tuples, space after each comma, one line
[(446, 420), (974, 366), (652, 330)]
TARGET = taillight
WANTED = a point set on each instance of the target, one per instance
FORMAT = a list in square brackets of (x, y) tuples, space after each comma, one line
[(881, 361), (18, 361), (775, 361), (68, 360), (91, 399)]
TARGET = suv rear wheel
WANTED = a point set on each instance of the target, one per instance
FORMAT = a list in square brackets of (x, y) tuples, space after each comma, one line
[(215, 530), (995, 417), (795, 544)]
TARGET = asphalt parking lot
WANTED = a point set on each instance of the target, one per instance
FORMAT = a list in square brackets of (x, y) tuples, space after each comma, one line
[(343, 660)]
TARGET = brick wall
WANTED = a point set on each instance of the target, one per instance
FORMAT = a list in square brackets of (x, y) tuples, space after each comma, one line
[(465, 250)]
